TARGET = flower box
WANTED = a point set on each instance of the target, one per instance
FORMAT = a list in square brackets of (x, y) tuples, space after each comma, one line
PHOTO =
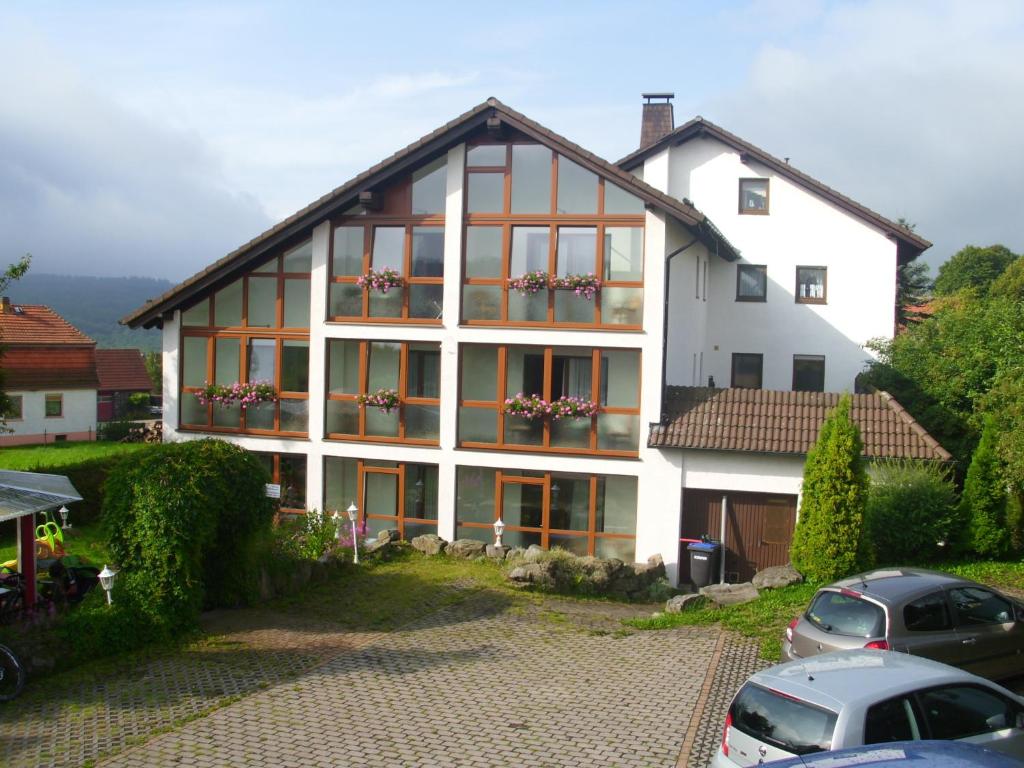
[(586, 285), (384, 400), (244, 393), (530, 283), (572, 408), (527, 406), (382, 281)]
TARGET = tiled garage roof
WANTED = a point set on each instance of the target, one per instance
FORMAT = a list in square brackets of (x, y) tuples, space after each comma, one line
[(767, 421), (122, 370)]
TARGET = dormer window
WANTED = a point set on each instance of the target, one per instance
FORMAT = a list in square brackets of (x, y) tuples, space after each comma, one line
[(754, 196)]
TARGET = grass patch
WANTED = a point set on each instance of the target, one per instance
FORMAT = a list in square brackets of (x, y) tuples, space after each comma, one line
[(86, 541), (1001, 575), (29, 457), (764, 619)]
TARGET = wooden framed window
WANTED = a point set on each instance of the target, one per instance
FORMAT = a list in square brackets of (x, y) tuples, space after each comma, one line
[(751, 282), (388, 494), (530, 209), (811, 285), (608, 377), (54, 405), (289, 471), (582, 513), (411, 369), (747, 370), (808, 373), (754, 196), (14, 412)]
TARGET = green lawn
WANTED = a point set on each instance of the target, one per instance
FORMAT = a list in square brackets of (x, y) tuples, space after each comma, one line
[(29, 457), (86, 541)]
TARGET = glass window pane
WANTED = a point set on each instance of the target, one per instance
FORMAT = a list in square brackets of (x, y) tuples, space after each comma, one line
[(295, 366), (616, 504), (343, 355), (572, 373), (481, 302), (346, 300), (979, 606), (479, 372), (531, 178), (623, 253), (618, 432), (260, 416), (529, 250), (483, 251), (424, 376), (810, 284), (381, 424), (752, 282), (532, 308), (192, 411), (267, 266), (389, 248), (571, 308), (570, 433), (428, 187), (889, 721), (227, 365), (577, 188), (262, 311), (342, 417), (620, 549), (618, 200), (808, 373), (299, 258), (383, 360), (197, 315), (753, 195), (348, 251), (486, 155), (341, 483), (486, 193), (474, 495), (293, 481), (961, 711), (262, 355), (520, 431), (427, 252), (227, 416), (381, 494), (746, 370), (620, 378), (426, 301), (296, 303), (422, 422), (570, 502), (227, 306), (522, 505), (294, 415), (420, 492), (578, 545), (622, 306), (387, 304), (525, 371), (193, 372), (577, 251), (478, 425)]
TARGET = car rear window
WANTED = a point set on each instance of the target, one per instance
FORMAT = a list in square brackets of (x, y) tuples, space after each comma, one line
[(846, 614), (782, 721)]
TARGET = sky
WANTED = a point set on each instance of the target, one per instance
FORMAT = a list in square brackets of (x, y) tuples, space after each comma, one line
[(151, 139)]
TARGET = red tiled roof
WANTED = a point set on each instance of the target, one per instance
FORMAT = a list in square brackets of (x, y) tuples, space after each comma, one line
[(122, 370), (41, 367), (36, 324), (768, 421)]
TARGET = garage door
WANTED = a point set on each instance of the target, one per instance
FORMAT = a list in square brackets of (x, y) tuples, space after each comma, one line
[(759, 529)]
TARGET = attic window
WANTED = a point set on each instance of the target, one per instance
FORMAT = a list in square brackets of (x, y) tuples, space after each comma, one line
[(754, 196)]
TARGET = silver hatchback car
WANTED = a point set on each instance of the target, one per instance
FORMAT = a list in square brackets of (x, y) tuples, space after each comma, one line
[(923, 613)]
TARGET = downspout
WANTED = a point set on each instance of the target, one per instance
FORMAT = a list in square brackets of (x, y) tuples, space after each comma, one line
[(664, 326)]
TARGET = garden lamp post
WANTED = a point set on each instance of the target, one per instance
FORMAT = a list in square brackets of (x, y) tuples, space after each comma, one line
[(63, 512), (107, 578), (499, 528), (353, 512)]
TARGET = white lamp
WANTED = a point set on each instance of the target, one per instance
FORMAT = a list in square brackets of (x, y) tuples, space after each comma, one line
[(499, 528), (107, 579), (63, 512), (353, 513)]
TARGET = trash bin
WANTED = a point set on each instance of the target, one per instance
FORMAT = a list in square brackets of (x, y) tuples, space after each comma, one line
[(704, 559)]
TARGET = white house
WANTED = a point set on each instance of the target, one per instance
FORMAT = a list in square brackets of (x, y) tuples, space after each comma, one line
[(459, 215)]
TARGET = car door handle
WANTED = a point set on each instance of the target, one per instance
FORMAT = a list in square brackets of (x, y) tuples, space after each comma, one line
[(969, 641)]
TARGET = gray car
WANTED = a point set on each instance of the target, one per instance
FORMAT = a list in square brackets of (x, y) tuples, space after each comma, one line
[(924, 613)]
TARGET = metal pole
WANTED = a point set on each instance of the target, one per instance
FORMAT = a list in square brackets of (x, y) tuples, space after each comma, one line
[(721, 559), (355, 544)]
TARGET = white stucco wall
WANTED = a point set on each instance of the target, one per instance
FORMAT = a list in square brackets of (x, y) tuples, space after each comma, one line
[(744, 472), (78, 419)]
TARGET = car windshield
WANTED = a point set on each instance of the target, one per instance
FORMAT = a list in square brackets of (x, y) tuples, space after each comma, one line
[(782, 721), (846, 614)]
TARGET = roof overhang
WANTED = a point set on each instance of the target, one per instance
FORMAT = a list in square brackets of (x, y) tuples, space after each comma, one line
[(26, 493)]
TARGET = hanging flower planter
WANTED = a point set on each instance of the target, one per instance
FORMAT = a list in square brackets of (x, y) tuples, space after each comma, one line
[(573, 408), (530, 283), (384, 400), (382, 281), (586, 285), (244, 393), (527, 406)]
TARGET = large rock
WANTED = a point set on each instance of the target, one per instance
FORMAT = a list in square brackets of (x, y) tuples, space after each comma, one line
[(515, 553), (495, 552), (653, 570), (777, 576), (429, 544), (467, 548), (534, 553), (681, 603), (376, 545), (531, 573), (390, 535), (730, 594)]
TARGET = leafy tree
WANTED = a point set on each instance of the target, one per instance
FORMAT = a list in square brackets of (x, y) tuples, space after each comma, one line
[(827, 538), (913, 284), (154, 367), (11, 274), (983, 505), (973, 267), (1010, 284)]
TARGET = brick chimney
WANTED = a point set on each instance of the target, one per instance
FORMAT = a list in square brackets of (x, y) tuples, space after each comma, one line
[(5, 307), (658, 120)]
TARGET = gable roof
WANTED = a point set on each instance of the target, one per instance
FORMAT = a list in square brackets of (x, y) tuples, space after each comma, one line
[(122, 370), (38, 325), (910, 244), (769, 421), (64, 366), (423, 150)]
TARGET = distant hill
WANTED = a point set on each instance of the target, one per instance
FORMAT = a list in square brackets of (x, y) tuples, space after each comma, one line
[(94, 304)]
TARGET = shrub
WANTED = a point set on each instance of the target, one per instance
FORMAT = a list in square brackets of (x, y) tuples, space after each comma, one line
[(828, 533), (983, 505), (911, 506), (307, 538)]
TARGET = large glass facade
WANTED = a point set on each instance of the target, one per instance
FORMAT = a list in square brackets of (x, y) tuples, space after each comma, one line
[(388, 494)]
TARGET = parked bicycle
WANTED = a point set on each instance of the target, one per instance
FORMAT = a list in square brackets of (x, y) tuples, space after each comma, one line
[(12, 674)]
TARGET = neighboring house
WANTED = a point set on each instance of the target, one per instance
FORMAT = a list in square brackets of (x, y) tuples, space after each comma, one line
[(122, 373), (49, 374), (781, 294)]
